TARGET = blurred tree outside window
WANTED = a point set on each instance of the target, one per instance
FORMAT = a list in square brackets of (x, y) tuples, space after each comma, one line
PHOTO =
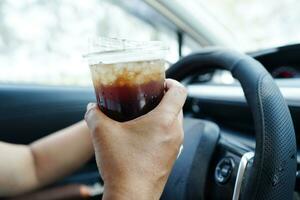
[(42, 41)]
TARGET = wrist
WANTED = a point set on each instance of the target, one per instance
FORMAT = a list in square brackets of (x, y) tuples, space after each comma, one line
[(132, 190)]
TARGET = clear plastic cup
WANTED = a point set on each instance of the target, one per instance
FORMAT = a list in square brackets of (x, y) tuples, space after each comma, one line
[(128, 76)]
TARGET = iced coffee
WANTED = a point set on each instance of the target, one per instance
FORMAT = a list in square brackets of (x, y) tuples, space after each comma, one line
[(129, 84)]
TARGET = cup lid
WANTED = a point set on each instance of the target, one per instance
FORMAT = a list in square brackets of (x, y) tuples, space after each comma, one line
[(113, 50)]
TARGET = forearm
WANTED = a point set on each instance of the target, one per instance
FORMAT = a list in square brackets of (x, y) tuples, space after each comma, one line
[(61, 153), (24, 168), (17, 172)]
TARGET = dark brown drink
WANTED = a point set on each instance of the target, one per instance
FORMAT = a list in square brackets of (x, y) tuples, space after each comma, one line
[(128, 90)]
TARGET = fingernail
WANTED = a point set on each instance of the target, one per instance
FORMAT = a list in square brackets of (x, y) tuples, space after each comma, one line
[(90, 105)]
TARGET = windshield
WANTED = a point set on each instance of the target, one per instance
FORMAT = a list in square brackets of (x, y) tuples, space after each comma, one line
[(250, 24)]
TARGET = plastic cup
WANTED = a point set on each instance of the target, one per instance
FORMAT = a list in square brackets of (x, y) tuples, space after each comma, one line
[(128, 76)]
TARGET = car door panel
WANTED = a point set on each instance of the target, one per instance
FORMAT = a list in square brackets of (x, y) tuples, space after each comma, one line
[(29, 112)]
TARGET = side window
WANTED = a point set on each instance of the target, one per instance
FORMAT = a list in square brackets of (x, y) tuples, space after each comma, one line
[(42, 42)]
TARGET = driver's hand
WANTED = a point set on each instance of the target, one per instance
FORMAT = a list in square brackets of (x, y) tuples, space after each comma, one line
[(136, 157)]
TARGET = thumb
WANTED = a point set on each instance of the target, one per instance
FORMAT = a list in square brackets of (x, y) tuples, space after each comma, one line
[(95, 119)]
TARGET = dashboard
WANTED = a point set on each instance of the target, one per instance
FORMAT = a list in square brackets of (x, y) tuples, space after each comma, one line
[(287, 71), (281, 62)]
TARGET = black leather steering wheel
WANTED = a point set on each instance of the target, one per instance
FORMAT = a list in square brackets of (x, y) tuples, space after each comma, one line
[(271, 173)]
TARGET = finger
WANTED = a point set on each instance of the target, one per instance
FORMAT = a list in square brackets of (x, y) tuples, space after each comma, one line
[(180, 118), (94, 117), (90, 105), (173, 100)]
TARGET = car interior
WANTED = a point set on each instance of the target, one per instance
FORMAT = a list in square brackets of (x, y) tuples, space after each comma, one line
[(243, 107)]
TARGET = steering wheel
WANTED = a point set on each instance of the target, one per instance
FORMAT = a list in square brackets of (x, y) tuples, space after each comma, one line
[(213, 167)]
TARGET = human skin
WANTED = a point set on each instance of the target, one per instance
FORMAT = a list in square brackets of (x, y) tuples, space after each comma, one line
[(135, 157), (24, 168)]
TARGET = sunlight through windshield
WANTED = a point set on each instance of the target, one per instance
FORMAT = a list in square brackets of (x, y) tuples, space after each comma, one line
[(252, 24)]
